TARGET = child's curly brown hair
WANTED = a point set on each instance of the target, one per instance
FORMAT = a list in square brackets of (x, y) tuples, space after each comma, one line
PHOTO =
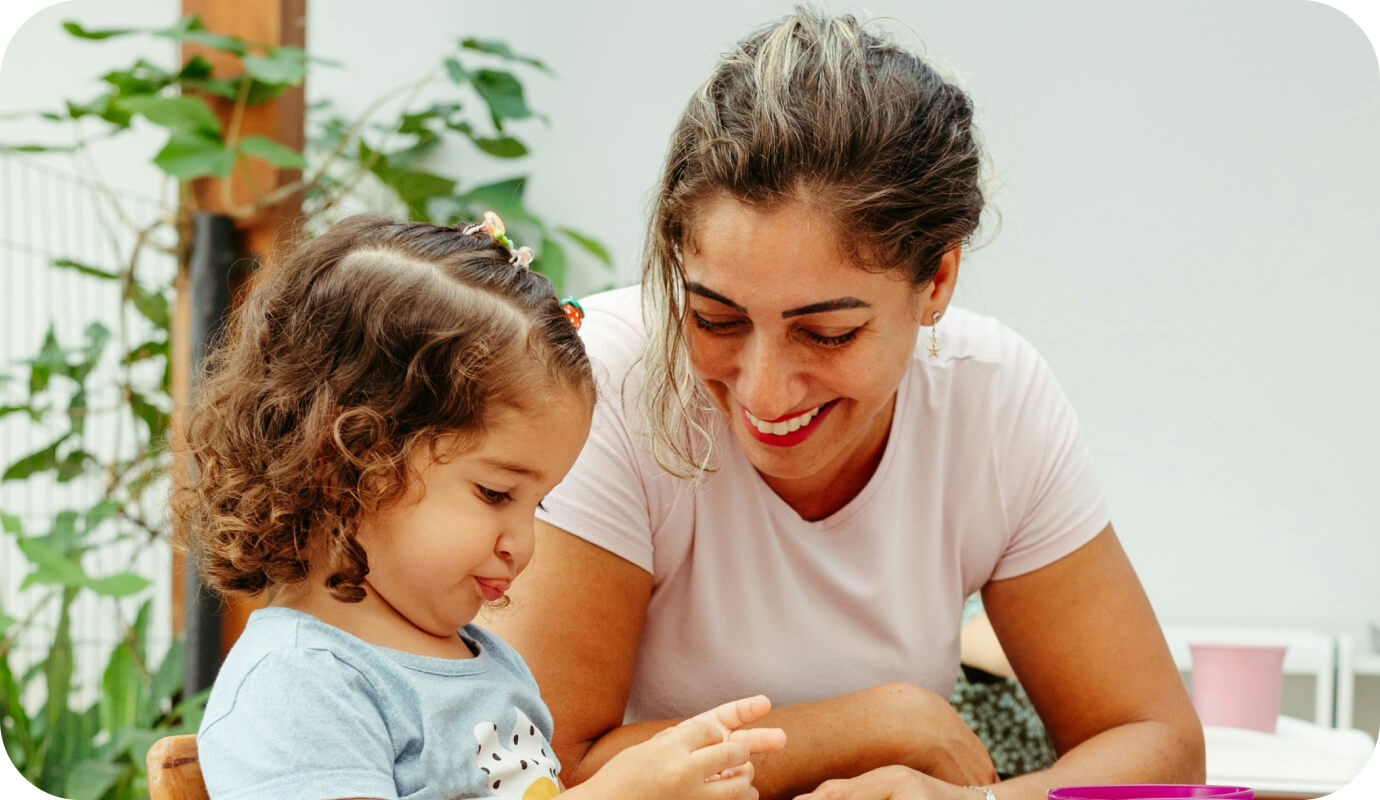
[(374, 339)]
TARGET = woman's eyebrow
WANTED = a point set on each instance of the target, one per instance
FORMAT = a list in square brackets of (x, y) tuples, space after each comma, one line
[(704, 291), (828, 305), (836, 304)]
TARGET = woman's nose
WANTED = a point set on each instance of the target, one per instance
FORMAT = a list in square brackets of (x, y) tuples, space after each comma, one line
[(769, 383)]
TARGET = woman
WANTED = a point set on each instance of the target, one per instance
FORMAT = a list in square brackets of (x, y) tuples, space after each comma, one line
[(806, 459)]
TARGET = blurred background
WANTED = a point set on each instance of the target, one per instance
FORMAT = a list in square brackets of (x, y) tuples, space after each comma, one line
[(1183, 221)]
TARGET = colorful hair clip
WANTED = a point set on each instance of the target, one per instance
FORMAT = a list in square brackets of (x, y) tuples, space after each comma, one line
[(573, 311), (520, 257)]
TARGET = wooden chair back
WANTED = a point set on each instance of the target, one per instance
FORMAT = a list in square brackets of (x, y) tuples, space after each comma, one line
[(174, 771)]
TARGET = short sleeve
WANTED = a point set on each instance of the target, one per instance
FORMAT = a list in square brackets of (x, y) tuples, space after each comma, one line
[(301, 724), (604, 498), (1055, 498)]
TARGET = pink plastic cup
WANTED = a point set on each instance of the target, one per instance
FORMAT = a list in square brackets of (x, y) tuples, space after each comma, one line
[(1152, 791), (1238, 685)]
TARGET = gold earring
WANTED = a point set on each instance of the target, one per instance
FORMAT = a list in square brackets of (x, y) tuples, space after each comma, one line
[(934, 334)]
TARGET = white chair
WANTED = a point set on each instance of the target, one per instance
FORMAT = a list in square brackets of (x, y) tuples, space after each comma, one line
[(1309, 652), (1300, 757)]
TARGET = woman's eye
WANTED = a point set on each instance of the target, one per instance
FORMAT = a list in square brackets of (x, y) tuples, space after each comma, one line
[(493, 497), (831, 341), (710, 326)]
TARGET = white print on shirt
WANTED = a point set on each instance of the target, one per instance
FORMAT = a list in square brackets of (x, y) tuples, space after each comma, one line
[(524, 772)]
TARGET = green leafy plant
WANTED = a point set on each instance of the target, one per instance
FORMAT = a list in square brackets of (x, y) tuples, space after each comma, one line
[(377, 161)]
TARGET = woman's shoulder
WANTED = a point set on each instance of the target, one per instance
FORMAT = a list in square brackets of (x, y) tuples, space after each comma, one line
[(613, 329), (963, 334)]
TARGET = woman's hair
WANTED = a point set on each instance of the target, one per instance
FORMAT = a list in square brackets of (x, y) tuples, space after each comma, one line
[(811, 109), (375, 339)]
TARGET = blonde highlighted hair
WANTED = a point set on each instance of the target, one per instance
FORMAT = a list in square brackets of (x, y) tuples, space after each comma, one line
[(816, 109)]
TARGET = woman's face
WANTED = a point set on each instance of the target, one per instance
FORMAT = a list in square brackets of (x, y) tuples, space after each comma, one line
[(801, 349)]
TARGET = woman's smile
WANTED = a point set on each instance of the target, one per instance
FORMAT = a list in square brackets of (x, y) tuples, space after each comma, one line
[(789, 430)]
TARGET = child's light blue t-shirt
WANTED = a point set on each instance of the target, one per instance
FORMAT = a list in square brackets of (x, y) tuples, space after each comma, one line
[(302, 709)]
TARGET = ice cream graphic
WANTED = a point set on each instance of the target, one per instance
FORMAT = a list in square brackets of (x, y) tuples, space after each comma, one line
[(519, 767)]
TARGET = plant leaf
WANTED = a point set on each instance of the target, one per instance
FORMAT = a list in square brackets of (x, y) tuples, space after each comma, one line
[(62, 537), (57, 667), (503, 197), (97, 514), (153, 416), (589, 244), (182, 114), (145, 351), (78, 31), (190, 29), (196, 69), (189, 155), (551, 263), (38, 148), (38, 461), (502, 146), (104, 107), (279, 155), (31, 411), (143, 79), (120, 584), (91, 779), (11, 524), (50, 360), (282, 66), (153, 305), (456, 72), (503, 93), (50, 566), (501, 49), (167, 681), (85, 269), (73, 465), (413, 187)]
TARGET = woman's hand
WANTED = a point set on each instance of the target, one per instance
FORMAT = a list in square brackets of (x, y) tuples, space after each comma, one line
[(891, 783), (703, 758), (940, 743)]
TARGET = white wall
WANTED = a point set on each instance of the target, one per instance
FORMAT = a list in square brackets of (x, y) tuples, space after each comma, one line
[(1189, 236)]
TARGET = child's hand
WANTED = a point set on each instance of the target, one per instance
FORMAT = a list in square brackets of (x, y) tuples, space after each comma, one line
[(703, 758)]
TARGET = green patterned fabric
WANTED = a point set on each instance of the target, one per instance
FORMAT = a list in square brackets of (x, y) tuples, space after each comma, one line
[(999, 712)]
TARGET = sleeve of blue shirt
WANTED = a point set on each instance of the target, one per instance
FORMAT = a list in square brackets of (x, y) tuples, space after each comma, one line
[(323, 738)]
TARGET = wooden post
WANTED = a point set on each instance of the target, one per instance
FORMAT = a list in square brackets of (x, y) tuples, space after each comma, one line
[(272, 22)]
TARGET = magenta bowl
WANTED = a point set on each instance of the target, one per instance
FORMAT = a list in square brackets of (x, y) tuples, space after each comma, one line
[(1152, 791)]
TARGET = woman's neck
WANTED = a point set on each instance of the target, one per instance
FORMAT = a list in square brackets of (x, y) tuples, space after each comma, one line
[(818, 496)]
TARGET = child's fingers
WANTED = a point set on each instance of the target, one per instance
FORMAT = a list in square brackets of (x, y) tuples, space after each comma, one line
[(743, 770), (737, 713), (718, 758), (760, 740), (693, 734), (737, 788)]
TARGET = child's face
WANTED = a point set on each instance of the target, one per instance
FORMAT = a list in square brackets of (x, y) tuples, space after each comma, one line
[(463, 529)]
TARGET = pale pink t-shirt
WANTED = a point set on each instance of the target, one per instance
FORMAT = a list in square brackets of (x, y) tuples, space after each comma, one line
[(985, 476)]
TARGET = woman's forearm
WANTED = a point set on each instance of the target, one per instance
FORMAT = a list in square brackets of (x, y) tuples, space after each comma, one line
[(832, 738), (1137, 752)]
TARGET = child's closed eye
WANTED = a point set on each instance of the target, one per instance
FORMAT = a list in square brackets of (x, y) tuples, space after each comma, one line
[(492, 496)]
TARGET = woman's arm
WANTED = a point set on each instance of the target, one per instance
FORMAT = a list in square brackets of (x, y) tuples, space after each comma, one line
[(1084, 643), (577, 617)]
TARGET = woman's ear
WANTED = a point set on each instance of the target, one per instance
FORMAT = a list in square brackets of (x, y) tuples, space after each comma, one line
[(934, 296)]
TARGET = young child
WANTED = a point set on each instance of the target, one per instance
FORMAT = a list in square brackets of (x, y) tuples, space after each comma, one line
[(369, 446)]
